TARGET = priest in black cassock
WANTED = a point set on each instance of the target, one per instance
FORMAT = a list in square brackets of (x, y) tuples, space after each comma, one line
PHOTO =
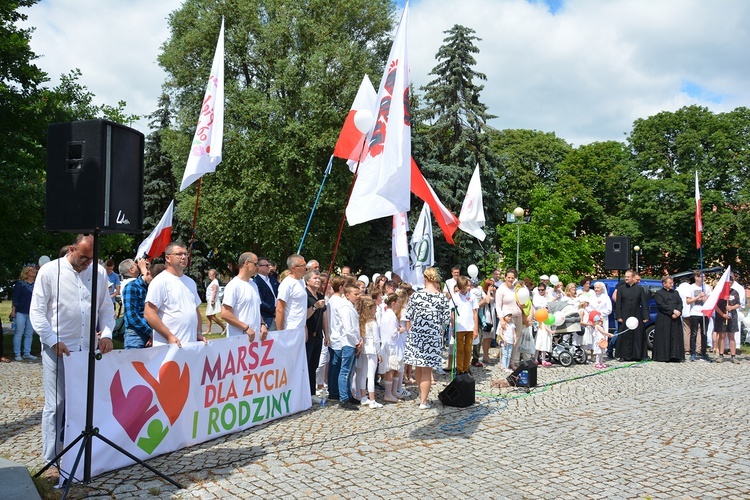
[(631, 301), (669, 343)]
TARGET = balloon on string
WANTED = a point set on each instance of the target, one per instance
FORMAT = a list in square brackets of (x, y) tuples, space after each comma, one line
[(473, 271), (43, 260), (375, 277), (541, 315), (363, 120), (554, 280), (364, 279), (550, 320), (559, 316), (631, 323), (522, 295)]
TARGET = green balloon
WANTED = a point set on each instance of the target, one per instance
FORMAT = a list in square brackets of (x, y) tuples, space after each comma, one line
[(550, 320)]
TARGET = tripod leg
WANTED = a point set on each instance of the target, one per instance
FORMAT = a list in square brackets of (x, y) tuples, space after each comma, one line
[(139, 461), (59, 456), (69, 481)]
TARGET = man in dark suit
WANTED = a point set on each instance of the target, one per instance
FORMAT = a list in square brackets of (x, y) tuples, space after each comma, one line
[(268, 288)]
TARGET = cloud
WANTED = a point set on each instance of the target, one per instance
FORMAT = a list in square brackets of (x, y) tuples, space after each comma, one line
[(584, 69)]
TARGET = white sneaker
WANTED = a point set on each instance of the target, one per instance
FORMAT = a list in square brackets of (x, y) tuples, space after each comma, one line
[(29, 356), (404, 393), (365, 401), (440, 370), (425, 406), (315, 400), (374, 405)]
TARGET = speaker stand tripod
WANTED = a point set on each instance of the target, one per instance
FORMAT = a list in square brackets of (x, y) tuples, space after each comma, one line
[(90, 432)]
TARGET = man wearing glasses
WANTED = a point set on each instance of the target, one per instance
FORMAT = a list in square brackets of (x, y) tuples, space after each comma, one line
[(291, 303), (268, 289), (60, 313), (172, 302), (241, 305)]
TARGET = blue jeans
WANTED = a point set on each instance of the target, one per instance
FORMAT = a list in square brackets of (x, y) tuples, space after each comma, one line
[(334, 367), (25, 330), (507, 352), (348, 356), (133, 340)]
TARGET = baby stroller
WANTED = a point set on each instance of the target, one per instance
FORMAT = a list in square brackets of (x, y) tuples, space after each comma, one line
[(564, 352)]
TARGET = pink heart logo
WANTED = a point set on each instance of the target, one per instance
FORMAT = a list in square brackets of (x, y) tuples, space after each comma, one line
[(131, 410), (171, 389)]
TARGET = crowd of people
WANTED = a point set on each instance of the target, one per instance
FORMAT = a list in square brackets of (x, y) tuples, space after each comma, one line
[(359, 335)]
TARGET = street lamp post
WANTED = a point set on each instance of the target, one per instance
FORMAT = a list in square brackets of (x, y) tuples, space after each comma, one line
[(518, 213), (637, 250)]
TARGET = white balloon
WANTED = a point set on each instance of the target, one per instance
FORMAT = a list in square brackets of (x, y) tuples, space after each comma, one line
[(375, 277), (364, 279), (522, 295), (559, 317), (363, 120), (388, 274), (473, 271), (554, 280), (631, 323), (43, 260)]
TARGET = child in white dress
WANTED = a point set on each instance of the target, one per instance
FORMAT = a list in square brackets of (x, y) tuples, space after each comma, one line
[(600, 340)]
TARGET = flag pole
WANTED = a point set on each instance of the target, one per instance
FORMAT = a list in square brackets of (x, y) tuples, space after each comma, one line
[(343, 216), (315, 205), (195, 221)]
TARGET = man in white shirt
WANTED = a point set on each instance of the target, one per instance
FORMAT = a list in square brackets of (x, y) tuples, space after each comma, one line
[(172, 302), (335, 335), (684, 290), (741, 291), (241, 305), (699, 292), (60, 313), (450, 283), (291, 302), (351, 343)]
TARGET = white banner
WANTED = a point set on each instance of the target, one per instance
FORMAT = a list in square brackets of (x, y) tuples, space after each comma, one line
[(400, 247), (161, 399)]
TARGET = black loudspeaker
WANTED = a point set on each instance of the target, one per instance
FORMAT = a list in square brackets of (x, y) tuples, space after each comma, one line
[(515, 379), (617, 253), (94, 178), (460, 392)]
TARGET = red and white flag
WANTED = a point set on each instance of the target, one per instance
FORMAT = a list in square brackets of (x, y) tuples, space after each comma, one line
[(349, 145), (157, 241), (421, 188), (472, 212), (698, 215), (721, 291), (205, 151), (382, 187)]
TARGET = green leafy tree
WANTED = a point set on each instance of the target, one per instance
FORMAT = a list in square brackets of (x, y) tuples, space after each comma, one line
[(453, 126), (291, 73)]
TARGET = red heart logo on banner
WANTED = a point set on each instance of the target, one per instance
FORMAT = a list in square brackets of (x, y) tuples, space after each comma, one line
[(171, 389), (131, 410)]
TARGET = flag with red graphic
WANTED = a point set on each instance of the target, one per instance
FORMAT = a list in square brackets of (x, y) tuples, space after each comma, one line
[(472, 212), (205, 151), (698, 215), (157, 241), (720, 291), (351, 140), (420, 187), (382, 187)]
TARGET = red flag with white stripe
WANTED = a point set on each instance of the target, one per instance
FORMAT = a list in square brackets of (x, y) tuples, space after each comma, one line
[(157, 241), (721, 291), (421, 188)]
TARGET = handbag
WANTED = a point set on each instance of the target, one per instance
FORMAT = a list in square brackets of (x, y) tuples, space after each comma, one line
[(603, 343)]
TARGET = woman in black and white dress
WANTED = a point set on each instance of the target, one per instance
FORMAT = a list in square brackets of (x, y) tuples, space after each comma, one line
[(427, 314)]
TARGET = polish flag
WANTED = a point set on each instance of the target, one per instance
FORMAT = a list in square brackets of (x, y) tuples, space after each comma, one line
[(445, 219), (350, 143), (157, 241), (721, 291), (698, 215), (400, 247), (205, 151)]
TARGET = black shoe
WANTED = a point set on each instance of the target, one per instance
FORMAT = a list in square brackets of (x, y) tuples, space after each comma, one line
[(348, 405), (379, 387), (332, 397), (707, 359), (354, 400)]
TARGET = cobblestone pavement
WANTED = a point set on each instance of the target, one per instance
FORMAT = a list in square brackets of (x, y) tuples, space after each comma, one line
[(648, 430)]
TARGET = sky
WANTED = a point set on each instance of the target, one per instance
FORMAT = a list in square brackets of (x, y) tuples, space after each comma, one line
[(583, 69)]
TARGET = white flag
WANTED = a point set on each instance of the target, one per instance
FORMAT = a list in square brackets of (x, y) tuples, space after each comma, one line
[(383, 182), (205, 151), (472, 211), (422, 255), (400, 246)]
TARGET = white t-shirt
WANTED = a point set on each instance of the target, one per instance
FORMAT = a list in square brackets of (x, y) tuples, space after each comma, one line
[(292, 292), (242, 296), (509, 335), (696, 308), (176, 299), (466, 304), (334, 322)]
